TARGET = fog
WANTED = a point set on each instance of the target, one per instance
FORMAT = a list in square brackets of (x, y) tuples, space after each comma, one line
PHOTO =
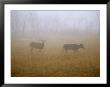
[(56, 28), (43, 24)]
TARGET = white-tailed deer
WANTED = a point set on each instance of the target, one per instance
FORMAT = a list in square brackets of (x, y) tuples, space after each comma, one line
[(74, 47), (37, 45)]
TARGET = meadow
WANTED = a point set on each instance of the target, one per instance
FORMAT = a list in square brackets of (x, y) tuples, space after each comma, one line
[(53, 61)]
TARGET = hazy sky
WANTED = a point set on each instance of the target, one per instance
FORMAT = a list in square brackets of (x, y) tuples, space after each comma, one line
[(53, 22)]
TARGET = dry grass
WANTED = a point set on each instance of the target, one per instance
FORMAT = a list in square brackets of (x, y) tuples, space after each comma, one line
[(53, 61)]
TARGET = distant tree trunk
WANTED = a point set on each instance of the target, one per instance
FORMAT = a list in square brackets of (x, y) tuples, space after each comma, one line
[(24, 27), (32, 20)]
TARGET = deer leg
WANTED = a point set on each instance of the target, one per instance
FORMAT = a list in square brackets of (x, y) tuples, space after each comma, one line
[(31, 49), (40, 50), (66, 50), (76, 50)]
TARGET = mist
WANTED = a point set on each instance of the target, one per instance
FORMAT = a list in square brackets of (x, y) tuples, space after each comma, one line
[(42, 24), (56, 28)]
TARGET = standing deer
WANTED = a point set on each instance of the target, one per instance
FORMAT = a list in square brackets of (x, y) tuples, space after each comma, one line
[(74, 47), (37, 45)]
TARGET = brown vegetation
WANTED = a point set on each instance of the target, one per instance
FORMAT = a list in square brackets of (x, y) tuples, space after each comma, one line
[(53, 61)]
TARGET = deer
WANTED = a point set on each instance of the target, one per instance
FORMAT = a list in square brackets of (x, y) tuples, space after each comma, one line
[(37, 45), (74, 47)]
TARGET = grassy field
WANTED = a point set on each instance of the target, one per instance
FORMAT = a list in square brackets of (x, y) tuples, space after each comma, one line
[(53, 61)]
